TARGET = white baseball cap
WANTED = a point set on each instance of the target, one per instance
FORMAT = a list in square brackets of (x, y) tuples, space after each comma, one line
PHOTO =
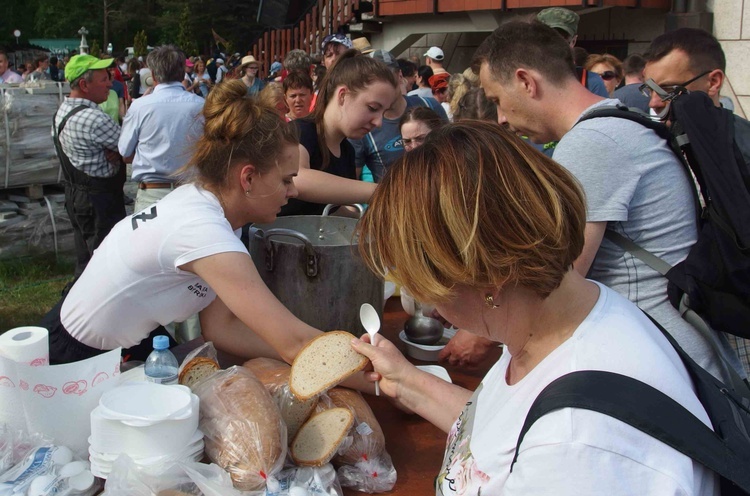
[(219, 61), (435, 53)]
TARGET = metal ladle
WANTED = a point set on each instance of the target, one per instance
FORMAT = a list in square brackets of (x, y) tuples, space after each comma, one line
[(423, 330)]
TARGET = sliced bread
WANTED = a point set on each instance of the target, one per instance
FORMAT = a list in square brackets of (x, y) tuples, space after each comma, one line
[(323, 363), (196, 370), (320, 437), (275, 376), (368, 438)]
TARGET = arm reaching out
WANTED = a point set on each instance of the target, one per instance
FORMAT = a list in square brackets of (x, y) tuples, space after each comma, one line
[(321, 187)]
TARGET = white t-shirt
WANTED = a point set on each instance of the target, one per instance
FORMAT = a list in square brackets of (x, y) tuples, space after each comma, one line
[(573, 451), (133, 284)]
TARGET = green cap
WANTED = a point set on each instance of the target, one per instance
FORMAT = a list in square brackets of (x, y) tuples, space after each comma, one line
[(79, 64), (558, 17)]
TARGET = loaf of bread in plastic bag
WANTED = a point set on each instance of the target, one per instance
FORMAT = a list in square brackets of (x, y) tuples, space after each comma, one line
[(243, 430), (274, 374)]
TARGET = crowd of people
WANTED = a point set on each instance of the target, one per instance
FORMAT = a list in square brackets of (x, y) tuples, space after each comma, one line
[(487, 199)]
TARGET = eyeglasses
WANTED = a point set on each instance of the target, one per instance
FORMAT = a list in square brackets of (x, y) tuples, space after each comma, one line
[(607, 75), (416, 140), (669, 92)]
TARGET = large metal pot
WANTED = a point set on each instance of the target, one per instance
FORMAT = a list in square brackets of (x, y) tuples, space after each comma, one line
[(312, 265)]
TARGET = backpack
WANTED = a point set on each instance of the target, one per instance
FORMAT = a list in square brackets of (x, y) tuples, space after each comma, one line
[(725, 450), (714, 280)]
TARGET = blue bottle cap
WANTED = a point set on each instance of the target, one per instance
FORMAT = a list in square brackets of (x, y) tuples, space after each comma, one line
[(161, 342)]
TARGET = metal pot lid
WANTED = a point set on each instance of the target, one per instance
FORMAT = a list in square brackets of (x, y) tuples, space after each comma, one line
[(321, 231)]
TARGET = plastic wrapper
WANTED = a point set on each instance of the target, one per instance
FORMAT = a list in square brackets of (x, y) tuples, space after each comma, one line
[(47, 470), (27, 155), (305, 481), (15, 445), (275, 376), (205, 352), (178, 479), (242, 427), (362, 461), (37, 228)]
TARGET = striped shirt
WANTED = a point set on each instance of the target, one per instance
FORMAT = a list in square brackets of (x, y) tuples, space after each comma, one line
[(85, 137)]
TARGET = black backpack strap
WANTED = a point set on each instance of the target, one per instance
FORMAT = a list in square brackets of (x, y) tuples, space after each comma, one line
[(654, 413), (635, 403), (635, 115)]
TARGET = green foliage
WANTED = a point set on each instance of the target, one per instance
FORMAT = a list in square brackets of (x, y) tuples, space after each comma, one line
[(185, 39), (56, 19), (17, 14), (184, 22), (30, 287), (140, 44), (95, 49)]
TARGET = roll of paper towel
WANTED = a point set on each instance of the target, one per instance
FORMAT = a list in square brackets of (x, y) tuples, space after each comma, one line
[(27, 345)]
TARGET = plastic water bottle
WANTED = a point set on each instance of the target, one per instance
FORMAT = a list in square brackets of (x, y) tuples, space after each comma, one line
[(161, 365)]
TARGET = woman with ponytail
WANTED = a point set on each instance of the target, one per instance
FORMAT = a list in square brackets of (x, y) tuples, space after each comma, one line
[(183, 255), (353, 97)]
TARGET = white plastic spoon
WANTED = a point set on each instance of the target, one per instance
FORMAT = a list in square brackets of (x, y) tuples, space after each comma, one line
[(371, 322)]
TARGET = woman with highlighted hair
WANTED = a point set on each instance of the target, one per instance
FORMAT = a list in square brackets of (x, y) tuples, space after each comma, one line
[(486, 228)]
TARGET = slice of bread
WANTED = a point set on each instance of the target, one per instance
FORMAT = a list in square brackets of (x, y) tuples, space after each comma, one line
[(275, 376), (369, 440), (196, 370), (323, 363), (320, 437)]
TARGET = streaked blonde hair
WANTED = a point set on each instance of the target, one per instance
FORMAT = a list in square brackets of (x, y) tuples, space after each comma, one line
[(474, 206)]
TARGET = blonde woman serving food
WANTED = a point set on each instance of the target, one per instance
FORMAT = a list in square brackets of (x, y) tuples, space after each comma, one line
[(486, 228), (183, 255)]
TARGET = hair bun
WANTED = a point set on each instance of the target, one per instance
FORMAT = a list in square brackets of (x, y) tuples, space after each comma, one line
[(228, 111), (226, 93)]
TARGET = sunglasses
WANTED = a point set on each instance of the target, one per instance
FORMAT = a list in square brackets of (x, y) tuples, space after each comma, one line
[(441, 90), (607, 75), (668, 92)]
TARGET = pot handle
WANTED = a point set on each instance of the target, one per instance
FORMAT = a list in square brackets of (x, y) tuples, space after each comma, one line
[(330, 206), (311, 259)]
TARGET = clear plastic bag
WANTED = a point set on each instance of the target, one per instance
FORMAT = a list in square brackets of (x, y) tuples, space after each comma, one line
[(206, 350), (305, 481), (242, 427), (15, 445), (47, 470), (363, 462), (275, 376), (177, 479)]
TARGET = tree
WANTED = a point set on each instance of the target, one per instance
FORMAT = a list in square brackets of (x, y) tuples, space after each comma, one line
[(140, 44), (185, 39), (95, 49)]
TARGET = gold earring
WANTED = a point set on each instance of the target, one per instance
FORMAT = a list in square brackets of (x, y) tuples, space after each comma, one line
[(490, 301)]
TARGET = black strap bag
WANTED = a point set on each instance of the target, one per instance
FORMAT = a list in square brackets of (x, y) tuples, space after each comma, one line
[(725, 450), (714, 279)]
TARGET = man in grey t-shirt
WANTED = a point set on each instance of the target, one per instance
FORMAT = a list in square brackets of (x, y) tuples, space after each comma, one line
[(634, 184)]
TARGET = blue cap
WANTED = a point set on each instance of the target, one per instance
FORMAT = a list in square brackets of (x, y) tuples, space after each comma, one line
[(161, 342)]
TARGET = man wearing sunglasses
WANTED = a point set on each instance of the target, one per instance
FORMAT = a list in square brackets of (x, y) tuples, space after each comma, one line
[(634, 184), (692, 60)]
